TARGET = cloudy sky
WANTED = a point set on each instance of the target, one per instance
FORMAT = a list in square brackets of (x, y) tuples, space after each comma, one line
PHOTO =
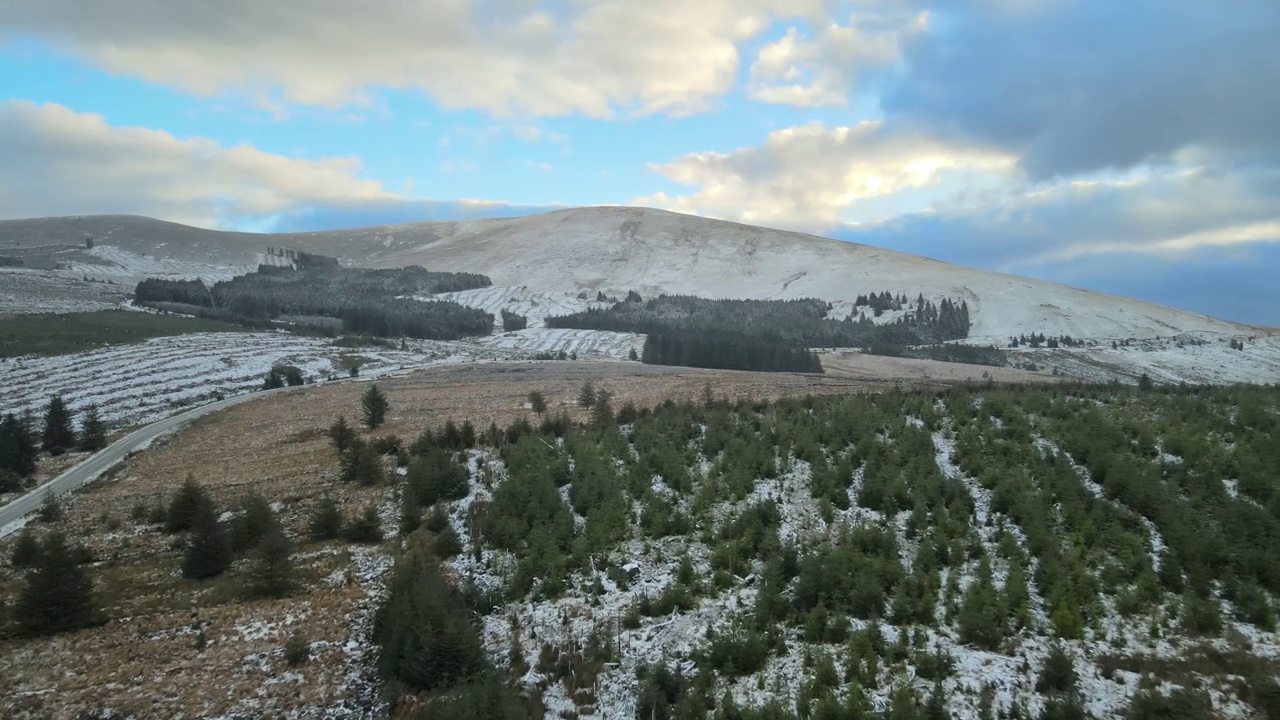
[(1131, 147)]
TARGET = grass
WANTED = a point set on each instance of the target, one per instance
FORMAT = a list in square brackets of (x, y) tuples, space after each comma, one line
[(61, 334)]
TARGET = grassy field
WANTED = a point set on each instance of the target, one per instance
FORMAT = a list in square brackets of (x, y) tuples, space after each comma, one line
[(58, 334)]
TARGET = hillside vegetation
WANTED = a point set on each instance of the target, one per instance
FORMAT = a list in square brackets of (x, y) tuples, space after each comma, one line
[(1035, 553), (373, 302), (63, 333)]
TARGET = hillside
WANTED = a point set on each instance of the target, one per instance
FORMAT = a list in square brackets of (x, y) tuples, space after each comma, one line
[(558, 262), (616, 249)]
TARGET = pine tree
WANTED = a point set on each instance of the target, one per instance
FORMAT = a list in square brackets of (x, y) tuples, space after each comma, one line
[(537, 402), (982, 614), (18, 445), (254, 521), (93, 433), (26, 549), (410, 511), (364, 528), (341, 434), (374, 405), (182, 508), (271, 574), (326, 521), (362, 465), (587, 395), (208, 551), (58, 596), (58, 436)]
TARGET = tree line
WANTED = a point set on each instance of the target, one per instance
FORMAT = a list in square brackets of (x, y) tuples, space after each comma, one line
[(365, 301), (22, 438), (767, 334)]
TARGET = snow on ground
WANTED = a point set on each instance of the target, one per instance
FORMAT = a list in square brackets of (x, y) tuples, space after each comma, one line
[(41, 291), (586, 344), (1086, 479), (145, 381), (107, 262), (1205, 358), (535, 305)]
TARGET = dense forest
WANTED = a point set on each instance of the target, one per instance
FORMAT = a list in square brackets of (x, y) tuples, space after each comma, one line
[(980, 552), (776, 334), (362, 301)]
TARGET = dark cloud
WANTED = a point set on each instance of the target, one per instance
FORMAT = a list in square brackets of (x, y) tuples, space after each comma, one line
[(1076, 87)]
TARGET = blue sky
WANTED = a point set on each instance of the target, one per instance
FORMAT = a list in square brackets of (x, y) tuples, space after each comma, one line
[(1128, 147)]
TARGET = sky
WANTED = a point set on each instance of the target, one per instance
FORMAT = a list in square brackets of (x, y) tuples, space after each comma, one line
[(1129, 147)]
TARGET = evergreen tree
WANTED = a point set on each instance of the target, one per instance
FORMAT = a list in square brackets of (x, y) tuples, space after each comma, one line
[(182, 508), (93, 433), (58, 596), (26, 549), (326, 521), (363, 465), (208, 552), (271, 574), (18, 445), (982, 614), (252, 523), (374, 406), (341, 434), (365, 528), (537, 402), (410, 511), (58, 435), (587, 395)]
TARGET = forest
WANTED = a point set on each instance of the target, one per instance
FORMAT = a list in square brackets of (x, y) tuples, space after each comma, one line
[(319, 297), (778, 335), (976, 552)]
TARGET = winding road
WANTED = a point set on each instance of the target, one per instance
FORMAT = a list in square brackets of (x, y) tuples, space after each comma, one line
[(106, 458)]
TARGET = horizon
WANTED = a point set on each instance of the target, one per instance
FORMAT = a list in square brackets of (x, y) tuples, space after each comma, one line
[(1128, 150)]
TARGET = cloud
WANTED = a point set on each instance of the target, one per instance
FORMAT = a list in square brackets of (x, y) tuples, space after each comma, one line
[(814, 177), (507, 57), (1080, 87), (55, 161), (824, 69)]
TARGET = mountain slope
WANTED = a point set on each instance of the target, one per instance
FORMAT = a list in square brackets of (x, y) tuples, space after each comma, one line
[(616, 249)]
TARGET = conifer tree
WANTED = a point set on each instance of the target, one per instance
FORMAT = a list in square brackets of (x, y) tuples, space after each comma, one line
[(364, 528), (374, 406), (271, 574), (252, 523), (58, 435), (341, 435), (326, 521), (587, 395), (93, 433), (58, 596), (208, 551), (18, 445), (362, 465), (182, 508), (982, 614), (26, 549)]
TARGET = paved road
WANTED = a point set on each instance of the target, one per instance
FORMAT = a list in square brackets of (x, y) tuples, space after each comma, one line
[(115, 452)]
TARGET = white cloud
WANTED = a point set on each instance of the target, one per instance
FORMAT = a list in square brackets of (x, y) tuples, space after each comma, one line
[(823, 69), (508, 57), (55, 161), (815, 178)]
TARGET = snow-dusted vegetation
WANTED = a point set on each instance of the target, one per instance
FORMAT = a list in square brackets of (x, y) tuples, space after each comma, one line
[(144, 381), (535, 305), (967, 554)]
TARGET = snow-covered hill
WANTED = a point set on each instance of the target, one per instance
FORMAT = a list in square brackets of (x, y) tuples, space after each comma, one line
[(542, 264)]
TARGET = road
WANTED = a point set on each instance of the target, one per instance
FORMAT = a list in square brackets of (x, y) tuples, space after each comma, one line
[(104, 459)]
